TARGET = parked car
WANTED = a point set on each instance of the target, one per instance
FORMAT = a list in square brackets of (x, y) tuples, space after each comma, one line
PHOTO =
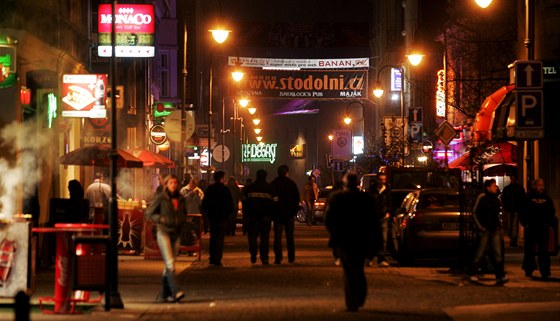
[(320, 205), (427, 225)]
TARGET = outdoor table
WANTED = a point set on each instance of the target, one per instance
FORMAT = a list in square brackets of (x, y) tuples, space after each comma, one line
[(63, 267)]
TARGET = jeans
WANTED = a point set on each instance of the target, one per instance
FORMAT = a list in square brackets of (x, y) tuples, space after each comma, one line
[(494, 239), (169, 243), (217, 235), (259, 228), (289, 226), (513, 225), (536, 243)]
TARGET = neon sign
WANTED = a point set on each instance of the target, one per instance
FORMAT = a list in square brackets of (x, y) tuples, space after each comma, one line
[(258, 153), (440, 94)]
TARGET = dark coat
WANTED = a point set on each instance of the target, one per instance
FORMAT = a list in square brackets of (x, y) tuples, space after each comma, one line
[(538, 211), (163, 214), (513, 197), (349, 221), (488, 211), (260, 200), (288, 198), (217, 202), (382, 201)]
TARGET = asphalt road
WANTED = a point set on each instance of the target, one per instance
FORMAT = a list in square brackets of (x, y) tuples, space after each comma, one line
[(312, 289)]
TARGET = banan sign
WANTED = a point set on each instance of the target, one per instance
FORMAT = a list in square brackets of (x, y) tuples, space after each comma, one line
[(258, 153)]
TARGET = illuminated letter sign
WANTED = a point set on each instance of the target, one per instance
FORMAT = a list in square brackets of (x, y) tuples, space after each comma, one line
[(440, 94), (134, 24), (258, 153)]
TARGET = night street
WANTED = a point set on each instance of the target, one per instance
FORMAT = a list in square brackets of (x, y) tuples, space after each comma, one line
[(312, 289)]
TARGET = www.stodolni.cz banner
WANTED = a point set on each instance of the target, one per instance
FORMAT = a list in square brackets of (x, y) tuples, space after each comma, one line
[(303, 84)]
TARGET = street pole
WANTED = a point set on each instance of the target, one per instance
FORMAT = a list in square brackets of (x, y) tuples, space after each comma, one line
[(530, 156), (114, 297), (402, 114), (183, 112), (223, 132), (209, 172)]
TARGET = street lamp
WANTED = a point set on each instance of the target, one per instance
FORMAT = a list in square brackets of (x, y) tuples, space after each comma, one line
[(483, 3), (378, 91), (256, 121), (252, 110), (220, 35), (330, 137), (257, 130), (243, 102), (347, 120)]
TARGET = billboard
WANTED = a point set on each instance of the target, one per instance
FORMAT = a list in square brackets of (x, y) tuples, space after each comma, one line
[(303, 84), (134, 26), (8, 65), (281, 63), (84, 95)]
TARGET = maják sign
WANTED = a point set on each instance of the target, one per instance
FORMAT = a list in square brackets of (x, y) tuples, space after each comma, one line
[(134, 25), (258, 153)]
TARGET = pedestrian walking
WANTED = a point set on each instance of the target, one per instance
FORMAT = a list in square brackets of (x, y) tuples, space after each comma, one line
[(245, 223), (382, 213), (236, 198), (98, 194), (487, 210), (217, 204), (259, 207), (537, 217), (287, 207), (310, 194), (168, 211), (193, 197), (513, 197), (350, 225)]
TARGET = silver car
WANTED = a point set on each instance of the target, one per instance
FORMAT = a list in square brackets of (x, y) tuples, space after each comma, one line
[(427, 225)]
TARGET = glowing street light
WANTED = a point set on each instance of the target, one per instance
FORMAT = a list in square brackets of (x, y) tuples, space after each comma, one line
[(252, 110), (257, 130), (220, 35), (347, 120), (259, 138), (415, 58), (256, 121), (243, 102), (483, 3), (237, 75), (330, 137)]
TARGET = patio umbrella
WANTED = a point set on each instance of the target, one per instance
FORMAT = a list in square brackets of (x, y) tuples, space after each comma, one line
[(152, 159), (498, 153), (99, 155), (500, 170), (483, 121)]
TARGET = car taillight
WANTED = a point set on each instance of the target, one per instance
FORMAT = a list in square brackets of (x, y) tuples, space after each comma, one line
[(319, 203)]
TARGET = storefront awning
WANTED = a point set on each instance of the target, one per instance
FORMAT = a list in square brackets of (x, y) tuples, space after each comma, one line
[(484, 118), (496, 153)]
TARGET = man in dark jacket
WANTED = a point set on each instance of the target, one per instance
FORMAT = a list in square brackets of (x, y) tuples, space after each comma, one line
[(487, 210), (513, 197), (217, 204), (288, 205), (382, 195), (537, 216), (259, 207), (350, 224)]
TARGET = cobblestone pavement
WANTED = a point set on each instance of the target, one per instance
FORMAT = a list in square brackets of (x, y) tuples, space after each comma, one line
[(312, 289)]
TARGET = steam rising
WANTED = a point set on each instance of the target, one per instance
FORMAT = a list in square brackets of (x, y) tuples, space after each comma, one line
[(25, 146)]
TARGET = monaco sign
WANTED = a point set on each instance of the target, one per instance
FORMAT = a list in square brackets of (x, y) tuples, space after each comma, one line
[(135, 26)]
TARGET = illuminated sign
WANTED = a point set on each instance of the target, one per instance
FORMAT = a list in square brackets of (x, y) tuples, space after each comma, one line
[(134, 25), (294, 64), (396, 79), (440, 94), (8, 76), (162, 109), (296, 151), (357, 145), (258, 153), (441, 153), (84, 95), (158, 135)]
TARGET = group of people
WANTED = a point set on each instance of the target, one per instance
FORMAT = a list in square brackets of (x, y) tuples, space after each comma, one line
[(263, 203), (355, 232), (534, 210)]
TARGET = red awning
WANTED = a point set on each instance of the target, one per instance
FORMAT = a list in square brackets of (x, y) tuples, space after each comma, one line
[(483, 122), (497, 153)]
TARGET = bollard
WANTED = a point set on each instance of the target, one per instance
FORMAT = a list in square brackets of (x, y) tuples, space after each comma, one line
[(22, 306)]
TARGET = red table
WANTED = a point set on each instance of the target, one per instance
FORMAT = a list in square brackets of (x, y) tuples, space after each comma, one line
[(63, 268)]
